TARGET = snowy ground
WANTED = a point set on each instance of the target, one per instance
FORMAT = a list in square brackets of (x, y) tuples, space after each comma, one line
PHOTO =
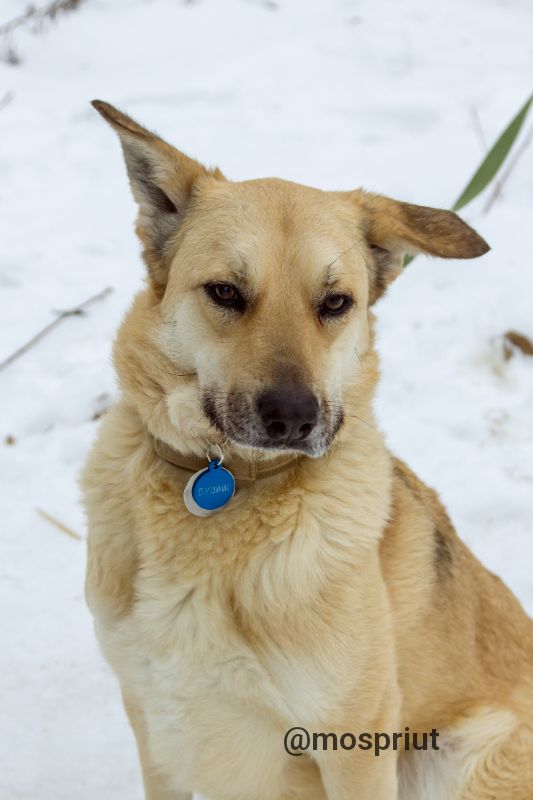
[(335, 94)]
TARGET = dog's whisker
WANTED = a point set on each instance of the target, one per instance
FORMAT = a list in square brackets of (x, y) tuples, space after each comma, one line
[(360, 419)]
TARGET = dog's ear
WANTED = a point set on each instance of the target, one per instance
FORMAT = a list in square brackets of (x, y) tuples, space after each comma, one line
[(394, 229), (162, 181)]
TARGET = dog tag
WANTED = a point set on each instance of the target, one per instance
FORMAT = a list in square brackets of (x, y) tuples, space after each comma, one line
[(209, 490)]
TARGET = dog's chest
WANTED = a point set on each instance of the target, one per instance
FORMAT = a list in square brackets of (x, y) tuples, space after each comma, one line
[(191, 642), (207, 692), (220, 650)]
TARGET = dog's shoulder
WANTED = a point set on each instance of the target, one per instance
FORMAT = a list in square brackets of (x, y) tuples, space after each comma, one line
[(418, 515), (111, 544)]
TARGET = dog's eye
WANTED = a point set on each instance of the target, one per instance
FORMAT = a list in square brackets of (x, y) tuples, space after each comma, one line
[(226, 295), (225, 292), (335, 304)]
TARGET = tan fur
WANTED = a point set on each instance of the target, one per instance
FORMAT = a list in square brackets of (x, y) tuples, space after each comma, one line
[(336, 596)]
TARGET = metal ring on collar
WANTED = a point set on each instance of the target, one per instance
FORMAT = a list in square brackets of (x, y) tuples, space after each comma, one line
[(208, 452)]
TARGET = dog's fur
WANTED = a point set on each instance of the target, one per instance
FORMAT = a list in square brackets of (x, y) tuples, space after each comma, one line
[(335, 596)]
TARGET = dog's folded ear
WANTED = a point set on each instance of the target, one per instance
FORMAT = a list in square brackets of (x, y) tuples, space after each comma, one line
[(394, 229), (162, 180)]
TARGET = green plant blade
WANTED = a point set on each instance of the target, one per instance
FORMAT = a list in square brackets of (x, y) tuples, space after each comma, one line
[(494, 159), (491, 163)]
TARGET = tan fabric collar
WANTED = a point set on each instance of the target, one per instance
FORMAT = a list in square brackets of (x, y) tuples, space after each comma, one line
[(246, 473)]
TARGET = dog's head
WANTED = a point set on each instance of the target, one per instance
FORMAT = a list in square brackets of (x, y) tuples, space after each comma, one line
[(256, 319)]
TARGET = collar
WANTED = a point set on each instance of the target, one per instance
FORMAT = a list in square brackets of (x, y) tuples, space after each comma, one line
[(246, 473)]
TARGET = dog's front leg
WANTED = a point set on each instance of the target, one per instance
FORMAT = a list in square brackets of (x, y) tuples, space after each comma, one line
[(357, 768), (356, 775), (155, 785)]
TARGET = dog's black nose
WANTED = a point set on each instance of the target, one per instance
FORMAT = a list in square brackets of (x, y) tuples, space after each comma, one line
[(289, 415)]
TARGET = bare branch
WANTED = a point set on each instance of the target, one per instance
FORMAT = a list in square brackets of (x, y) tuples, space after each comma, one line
[(39, 15), (64, 528), (71, 312)]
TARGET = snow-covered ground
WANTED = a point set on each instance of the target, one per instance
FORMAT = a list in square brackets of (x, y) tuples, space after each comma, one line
[(337, 94)]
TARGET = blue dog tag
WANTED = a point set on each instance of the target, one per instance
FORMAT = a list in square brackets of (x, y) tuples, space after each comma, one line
[(209, 490)]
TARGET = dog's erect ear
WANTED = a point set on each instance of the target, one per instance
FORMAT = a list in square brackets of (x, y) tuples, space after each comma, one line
[(394, 229), (162, 181)]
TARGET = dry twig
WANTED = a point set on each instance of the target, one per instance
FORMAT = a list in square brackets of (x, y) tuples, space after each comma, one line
[(71, 312), (39, 15), (64, 528)]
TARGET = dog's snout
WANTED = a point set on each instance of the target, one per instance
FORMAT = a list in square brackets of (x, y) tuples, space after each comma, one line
[(289, 415)]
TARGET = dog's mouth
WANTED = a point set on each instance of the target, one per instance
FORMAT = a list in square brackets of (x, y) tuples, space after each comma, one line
[(282, 419)]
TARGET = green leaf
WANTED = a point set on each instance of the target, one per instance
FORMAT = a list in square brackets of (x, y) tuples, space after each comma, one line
[(491, 163), (494, 159)]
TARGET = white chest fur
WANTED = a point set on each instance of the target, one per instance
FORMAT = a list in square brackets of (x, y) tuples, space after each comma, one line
[(215, 707), (223, 664)]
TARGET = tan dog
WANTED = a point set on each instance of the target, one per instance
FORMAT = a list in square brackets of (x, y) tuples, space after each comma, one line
[(332, 592)]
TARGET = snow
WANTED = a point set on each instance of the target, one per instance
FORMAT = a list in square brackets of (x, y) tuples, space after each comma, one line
[(335, 94)]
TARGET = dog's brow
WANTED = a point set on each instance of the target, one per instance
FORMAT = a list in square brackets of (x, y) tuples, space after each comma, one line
[(330, 274), (236, 273), (240, 276), (240, 273)]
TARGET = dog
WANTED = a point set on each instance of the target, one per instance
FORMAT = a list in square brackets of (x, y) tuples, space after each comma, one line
[(326, 589)]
